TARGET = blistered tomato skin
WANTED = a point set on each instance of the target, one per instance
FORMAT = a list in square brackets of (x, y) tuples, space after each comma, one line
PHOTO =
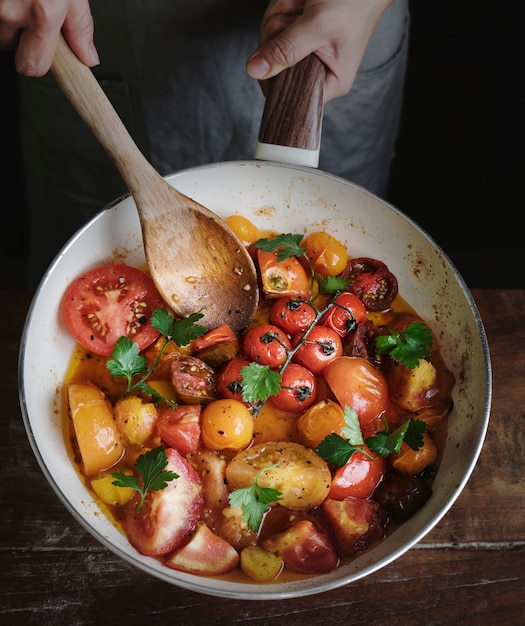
[(321, 346), (267, 345), (327, 255), (293, 315), (298, 389), (226, 424)]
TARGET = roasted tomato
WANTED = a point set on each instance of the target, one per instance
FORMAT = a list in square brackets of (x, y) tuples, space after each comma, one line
[(168, 517), (413, 462), (266, 344), (293, 315), (282, 278), (180, 428), (321, 346), (298, 389), (229, 379), (327, 255), (358, 384), (372, 282), (226, 425), (319, 421), (193, 380), (246, 230), (304, 549), (217, 346), (356, 524), (110, 302), (345, 314), (401, 496), (358, 478)]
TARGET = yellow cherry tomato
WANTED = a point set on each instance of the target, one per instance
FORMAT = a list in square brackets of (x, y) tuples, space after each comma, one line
[(247, 232), (226, 424), (328, 255), (412, 462), (319, 421)]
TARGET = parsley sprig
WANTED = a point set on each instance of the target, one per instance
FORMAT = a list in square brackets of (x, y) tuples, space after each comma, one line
[(255, 500), (151, 468), (407, 347), (336, 450), (127, 362)]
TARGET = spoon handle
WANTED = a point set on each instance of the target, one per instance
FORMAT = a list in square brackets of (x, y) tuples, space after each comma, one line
[(83, 91), (290, 129)]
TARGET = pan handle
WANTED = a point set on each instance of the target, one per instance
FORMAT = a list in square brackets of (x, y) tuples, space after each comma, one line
[(290, 129)]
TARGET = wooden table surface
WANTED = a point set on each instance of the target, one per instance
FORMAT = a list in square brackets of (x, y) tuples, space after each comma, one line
[(470, 569)]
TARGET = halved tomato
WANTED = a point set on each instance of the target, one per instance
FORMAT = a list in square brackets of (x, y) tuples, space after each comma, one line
[(282, 278), (110, 302), (180, 427)]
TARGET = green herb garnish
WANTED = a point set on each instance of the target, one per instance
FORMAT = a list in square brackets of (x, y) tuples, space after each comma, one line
[(407, 347), (151, 468)]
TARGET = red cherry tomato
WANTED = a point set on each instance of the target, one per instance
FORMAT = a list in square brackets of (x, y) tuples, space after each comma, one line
[(322, 345), (266, 344), (110, 302), (180, 428), (357, 383), (372, 282), (298, 389), (229, 379), (282, 278), (358, 478), (345, 314), (293, 315)]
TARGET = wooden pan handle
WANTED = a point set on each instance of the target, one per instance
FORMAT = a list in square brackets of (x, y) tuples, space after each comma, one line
[(292, 116)]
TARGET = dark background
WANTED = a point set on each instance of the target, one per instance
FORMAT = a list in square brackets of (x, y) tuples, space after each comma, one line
[(460, 164)]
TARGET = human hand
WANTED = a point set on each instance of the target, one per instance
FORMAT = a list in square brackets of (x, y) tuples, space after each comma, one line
[(33, 27), (337, 31)]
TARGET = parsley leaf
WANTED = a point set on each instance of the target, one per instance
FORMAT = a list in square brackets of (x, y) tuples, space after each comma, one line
[(151, 468), (127, 360), (411, 432), (287, 245), (331, 284), (407, 347), (259, 382), (181, 331), (255, 500)]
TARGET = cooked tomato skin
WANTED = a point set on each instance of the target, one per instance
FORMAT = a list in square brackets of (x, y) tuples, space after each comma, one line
[(345, 314), (229, 379), (179, 427), (372, 282), (293, 315), (327, 255), (226, 425), (358, 478), (322, 345), (193, 380), (298, 389), (358, 384), (266, 344), (216, 346), (282, 278), (110, 302)]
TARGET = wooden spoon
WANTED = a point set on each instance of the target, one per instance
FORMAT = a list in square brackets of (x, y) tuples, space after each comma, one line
[(193, 256)]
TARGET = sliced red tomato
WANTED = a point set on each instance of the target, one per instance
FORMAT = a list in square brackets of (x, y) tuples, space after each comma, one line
[(110, 302), (321, 346), (358, 384), (293, 315), (372, 282), (180, 428), (193, 380), (282, 278), (358, 478), (356, 523), (168, 516), (266, 344), (304, 549), (346, 312), (298, 389)]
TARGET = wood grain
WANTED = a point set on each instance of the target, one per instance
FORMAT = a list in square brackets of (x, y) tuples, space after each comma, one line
[(468, 570)]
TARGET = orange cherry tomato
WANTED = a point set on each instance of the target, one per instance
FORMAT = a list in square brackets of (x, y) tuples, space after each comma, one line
[(282, 278), (247, 232), (327, 255), (226, 424), (319, 421), (355, 382), (412, 462)]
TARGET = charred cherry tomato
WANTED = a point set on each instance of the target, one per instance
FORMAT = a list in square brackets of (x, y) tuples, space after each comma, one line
[(266, 344), (226, 425), (282, 278), (358, 384), (293, 315), (346, 312), (247, 232), (216, 346), (298, 389), (372, 282), (229, 379), (322, 345), (110, 302), (193, 380), (327, 255), (358, 478)]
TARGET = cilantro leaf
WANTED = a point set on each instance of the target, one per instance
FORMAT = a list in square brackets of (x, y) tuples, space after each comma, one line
[(255, 500), (259, 382), (127, 360), (151, 468), (407, 347), (288, 245)]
